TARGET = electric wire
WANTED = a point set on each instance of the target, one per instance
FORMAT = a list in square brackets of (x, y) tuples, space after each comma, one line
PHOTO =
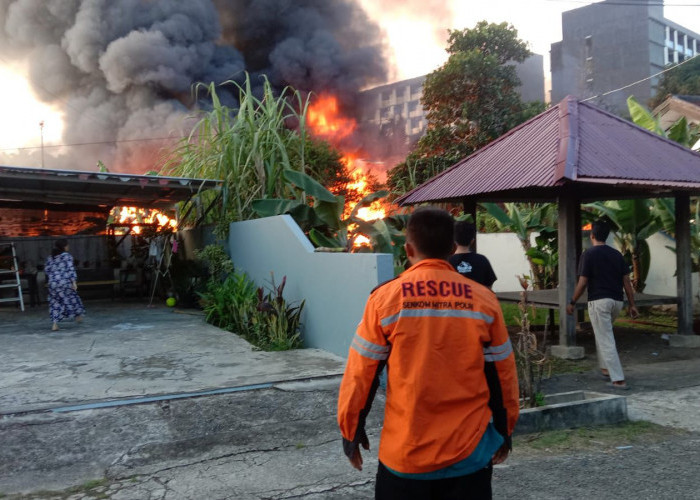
[(642, 80)]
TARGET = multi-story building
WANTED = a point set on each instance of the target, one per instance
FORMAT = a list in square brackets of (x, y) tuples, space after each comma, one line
[(610, 45), (395, 108)]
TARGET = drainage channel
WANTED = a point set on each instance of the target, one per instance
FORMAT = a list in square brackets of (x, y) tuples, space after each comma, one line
[(166, 397)]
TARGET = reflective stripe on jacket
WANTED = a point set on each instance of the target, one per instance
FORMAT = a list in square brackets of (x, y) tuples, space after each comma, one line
[(441, 337)]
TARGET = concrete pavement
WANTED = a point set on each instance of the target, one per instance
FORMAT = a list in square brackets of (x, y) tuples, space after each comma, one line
[(278, 442), (123, 350)]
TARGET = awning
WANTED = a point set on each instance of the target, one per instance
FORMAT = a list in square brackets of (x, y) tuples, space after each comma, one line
[(72, 190)]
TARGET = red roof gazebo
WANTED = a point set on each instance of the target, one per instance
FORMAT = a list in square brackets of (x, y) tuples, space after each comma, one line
[(572, 153)]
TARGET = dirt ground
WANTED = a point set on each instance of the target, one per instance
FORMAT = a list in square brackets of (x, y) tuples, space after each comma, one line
[(635, 345)]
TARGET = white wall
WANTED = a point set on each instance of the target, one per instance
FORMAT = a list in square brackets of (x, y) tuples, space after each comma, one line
[(507, 258), (661, 279), (334, 285)]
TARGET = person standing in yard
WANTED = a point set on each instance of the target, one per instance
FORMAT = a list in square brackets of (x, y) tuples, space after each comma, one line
[(452, 389), (470, 264), (605, 273), (64, 302)]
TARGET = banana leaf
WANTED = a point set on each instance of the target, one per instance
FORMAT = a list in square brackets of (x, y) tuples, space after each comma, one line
[(305, 216), (331, 213), (271, 206), (309, 185), (378, 233), (497, 213), (321, 240), (680, 132), (643, 117), (365, 202)]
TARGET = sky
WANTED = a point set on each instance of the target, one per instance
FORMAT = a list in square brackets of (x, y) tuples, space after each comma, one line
[(538, 23), (416, 31)]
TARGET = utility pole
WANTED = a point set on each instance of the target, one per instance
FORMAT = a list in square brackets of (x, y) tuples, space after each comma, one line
[(41, 130)]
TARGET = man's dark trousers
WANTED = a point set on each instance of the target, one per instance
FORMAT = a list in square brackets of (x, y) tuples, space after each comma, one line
[(476, 486)]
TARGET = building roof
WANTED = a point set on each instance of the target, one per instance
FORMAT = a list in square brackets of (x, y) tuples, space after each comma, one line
[(572, 146), (675, 107), (27, 187)]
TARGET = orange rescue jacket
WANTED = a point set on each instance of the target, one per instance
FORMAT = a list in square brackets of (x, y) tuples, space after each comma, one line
[(449, 361)]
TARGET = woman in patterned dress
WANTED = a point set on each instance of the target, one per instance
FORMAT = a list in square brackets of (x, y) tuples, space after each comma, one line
[(64, 302)]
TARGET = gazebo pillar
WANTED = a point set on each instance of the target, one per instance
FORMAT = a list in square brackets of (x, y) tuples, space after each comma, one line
[(569, 214), (683, 265)]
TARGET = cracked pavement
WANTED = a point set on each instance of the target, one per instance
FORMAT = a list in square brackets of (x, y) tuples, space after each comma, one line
[(279, 442)]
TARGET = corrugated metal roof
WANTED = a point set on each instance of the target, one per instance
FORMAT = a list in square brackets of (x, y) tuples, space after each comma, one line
[(616, 148), (37, 187), (569, 143)]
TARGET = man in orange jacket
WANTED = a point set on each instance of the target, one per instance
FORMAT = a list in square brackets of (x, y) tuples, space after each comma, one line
[(452, 390)]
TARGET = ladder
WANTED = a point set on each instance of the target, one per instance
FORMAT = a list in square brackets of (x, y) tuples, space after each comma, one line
[(9, 268)]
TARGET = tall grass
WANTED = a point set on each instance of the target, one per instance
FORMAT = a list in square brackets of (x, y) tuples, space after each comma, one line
[(248, 147)]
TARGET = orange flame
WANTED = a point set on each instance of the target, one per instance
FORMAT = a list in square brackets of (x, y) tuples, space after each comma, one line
[(325, 121), (135, 218)]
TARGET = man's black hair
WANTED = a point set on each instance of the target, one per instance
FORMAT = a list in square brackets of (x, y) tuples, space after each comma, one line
[(465, 232), (431, 231), (600, 230)]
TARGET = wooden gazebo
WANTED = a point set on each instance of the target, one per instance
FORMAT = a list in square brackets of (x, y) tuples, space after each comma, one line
[(572, 153)]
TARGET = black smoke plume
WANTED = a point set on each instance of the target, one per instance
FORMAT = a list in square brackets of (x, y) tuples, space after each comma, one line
[(122, 70)]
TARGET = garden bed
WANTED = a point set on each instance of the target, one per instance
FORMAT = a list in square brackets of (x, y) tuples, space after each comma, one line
[(569, 410)]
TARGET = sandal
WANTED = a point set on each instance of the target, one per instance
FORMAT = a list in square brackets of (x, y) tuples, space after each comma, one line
[(620, 387)]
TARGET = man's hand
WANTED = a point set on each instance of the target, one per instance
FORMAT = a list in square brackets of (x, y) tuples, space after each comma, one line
[(501, 454), (632, 311), (569, 309), (356, 458)]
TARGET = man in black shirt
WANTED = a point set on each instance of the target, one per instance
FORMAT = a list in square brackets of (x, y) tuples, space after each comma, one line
[(467, 263), (604, 271)]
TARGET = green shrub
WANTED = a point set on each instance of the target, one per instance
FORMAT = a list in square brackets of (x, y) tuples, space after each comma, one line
[(276, 324), (217, 261), (260, 315)]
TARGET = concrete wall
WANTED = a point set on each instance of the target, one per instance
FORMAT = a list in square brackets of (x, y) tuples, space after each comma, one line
[(507, 258), (661, 279), (334, 285)]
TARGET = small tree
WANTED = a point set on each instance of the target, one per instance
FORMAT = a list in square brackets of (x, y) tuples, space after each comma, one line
[(682, 79), (524, 219), (530, 356), (473, 98), (469, 101)]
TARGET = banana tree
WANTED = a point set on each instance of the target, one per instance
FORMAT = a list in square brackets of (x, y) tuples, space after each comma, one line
[(320, 214), (524, 219), (665, 209), (635, 221), (682, 132), (687, 135)]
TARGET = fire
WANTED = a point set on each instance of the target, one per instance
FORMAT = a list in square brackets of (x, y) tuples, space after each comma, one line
[(135, 218), (326, 121)]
